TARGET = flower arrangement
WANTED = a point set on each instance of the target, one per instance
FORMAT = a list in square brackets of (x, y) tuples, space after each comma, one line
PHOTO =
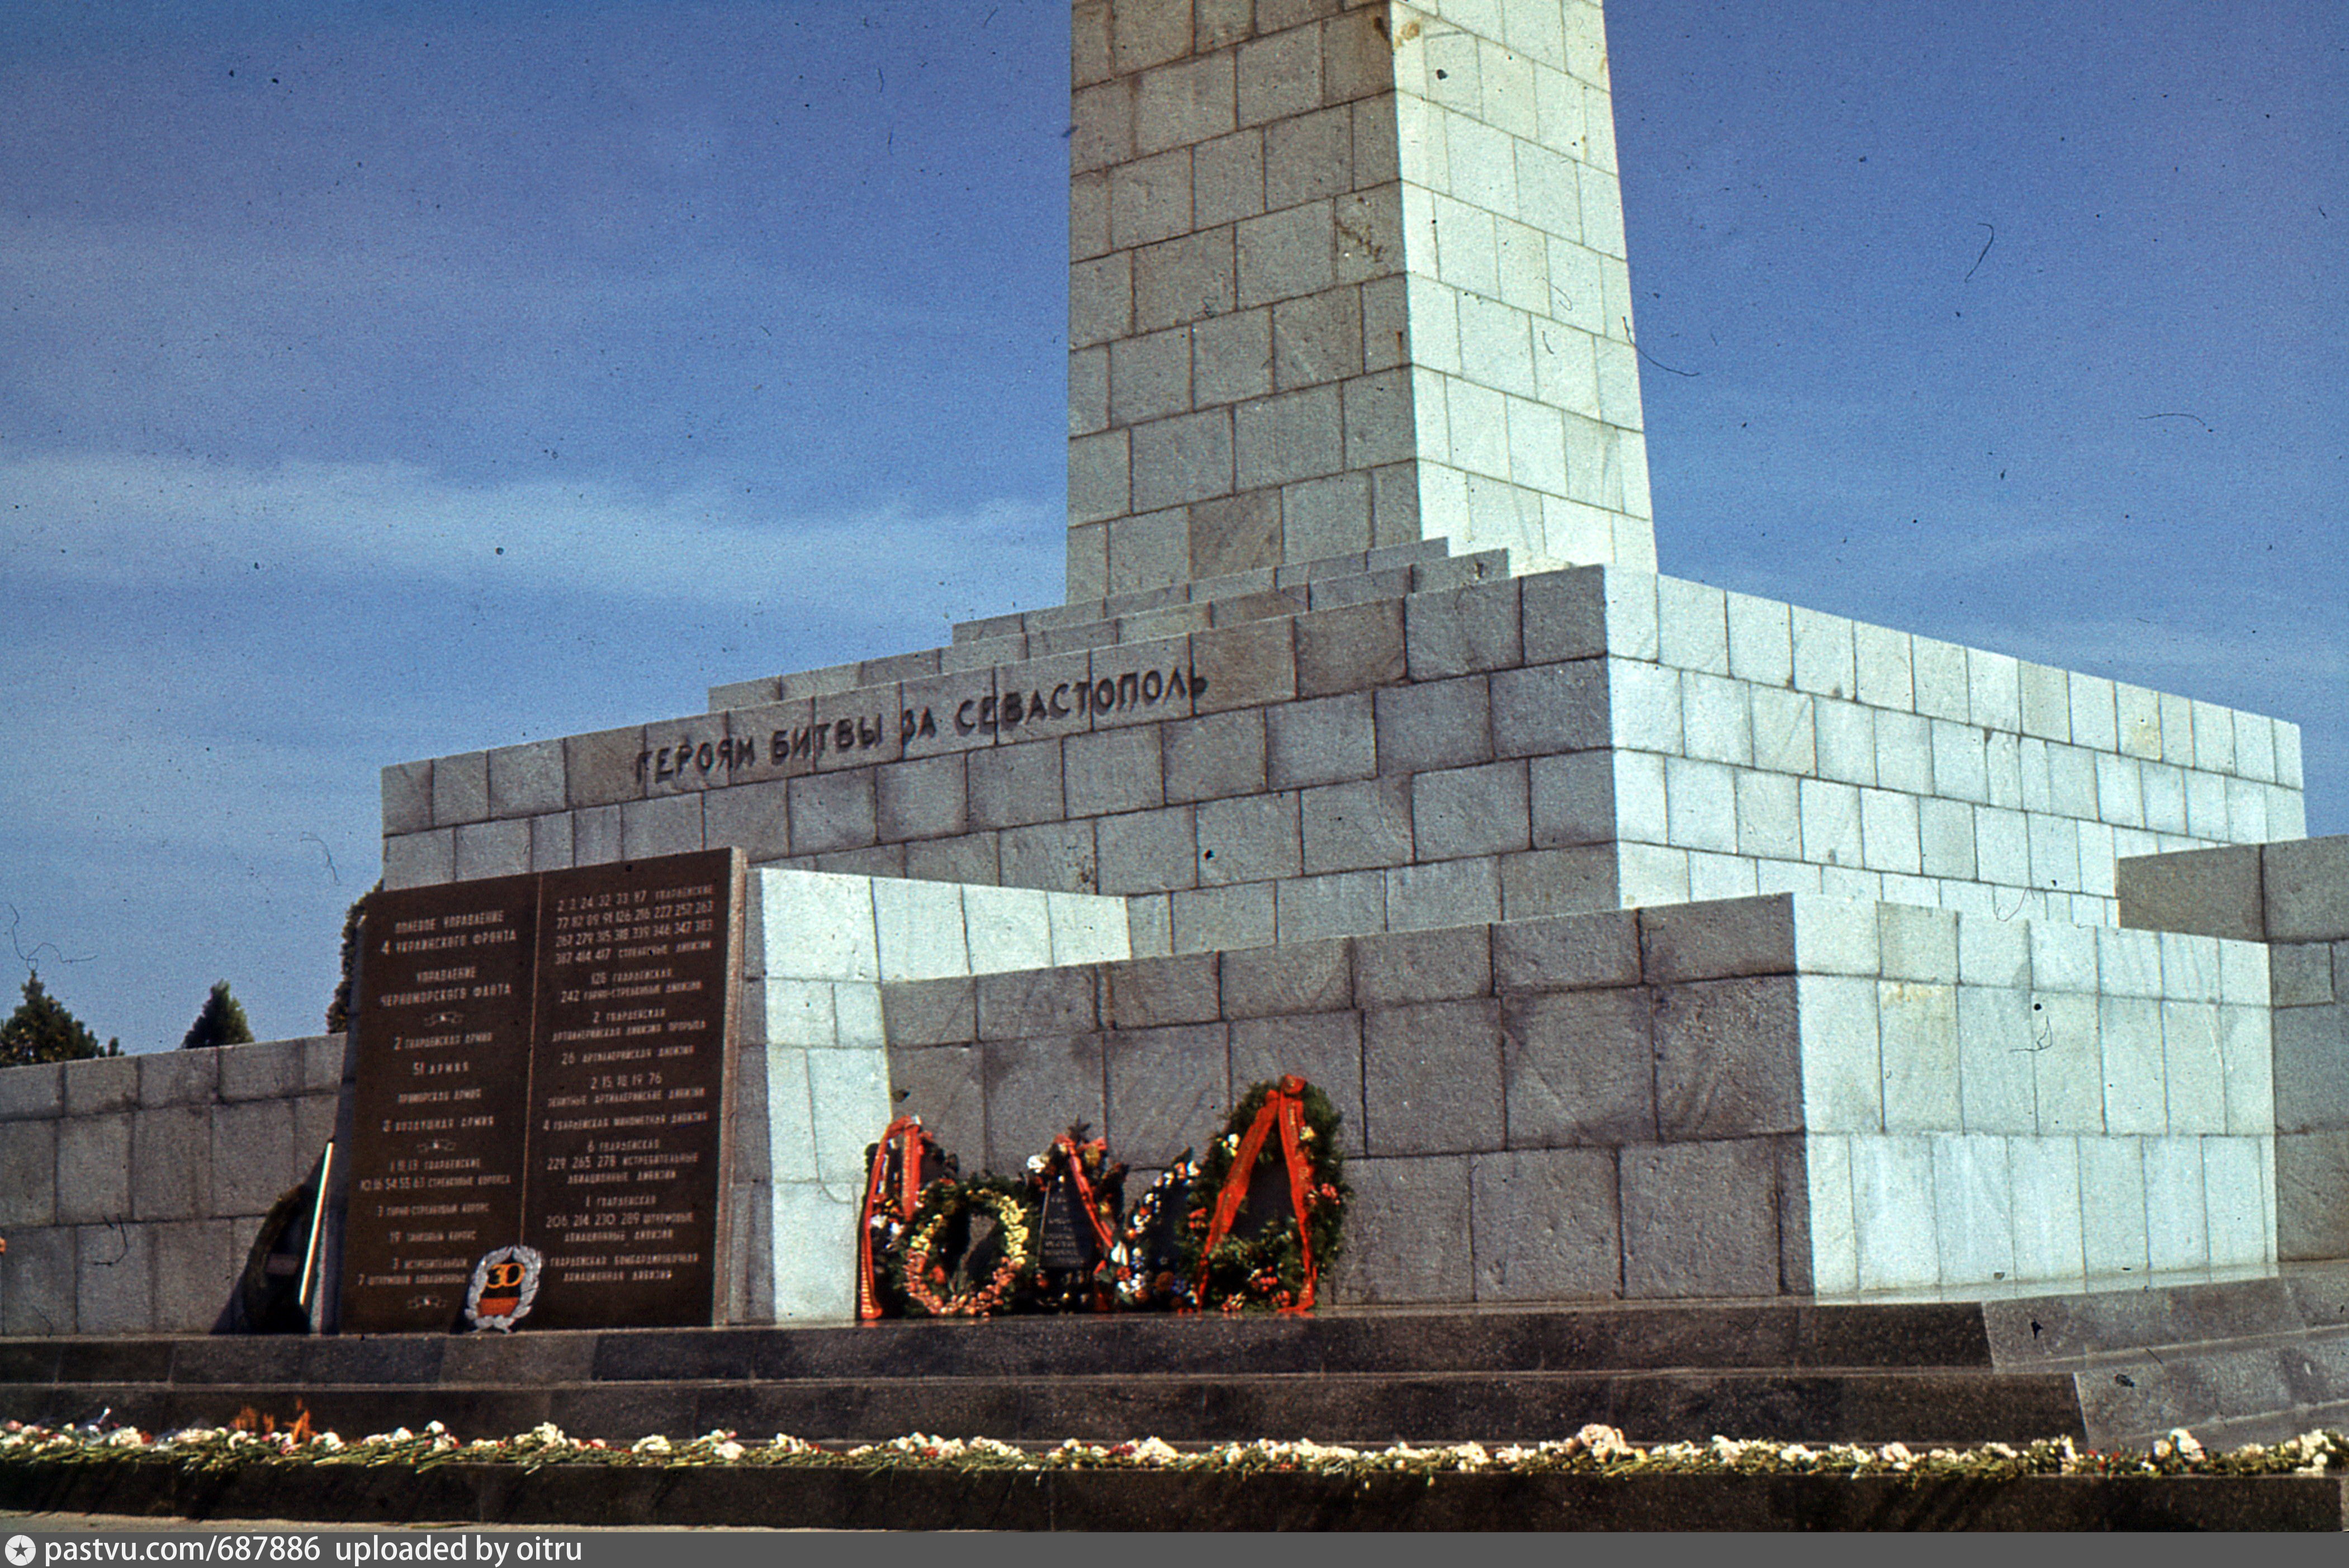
[(1286, 1132), (1077, 1172), (897, 1170), (1146, 1266), (1595, 1450), (935, 1269)]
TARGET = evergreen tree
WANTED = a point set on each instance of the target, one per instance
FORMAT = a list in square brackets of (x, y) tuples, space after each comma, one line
[(338, 1010), (41, 1030), (221, 1023)]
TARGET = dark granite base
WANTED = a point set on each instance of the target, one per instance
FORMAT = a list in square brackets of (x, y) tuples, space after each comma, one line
[(2251, 1360), (1104, 1500)]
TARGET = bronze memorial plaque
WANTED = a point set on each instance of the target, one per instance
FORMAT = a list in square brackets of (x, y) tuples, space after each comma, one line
[(542, 1061)]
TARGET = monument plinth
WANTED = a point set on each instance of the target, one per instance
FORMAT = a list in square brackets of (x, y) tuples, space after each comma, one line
[(1763, 950)]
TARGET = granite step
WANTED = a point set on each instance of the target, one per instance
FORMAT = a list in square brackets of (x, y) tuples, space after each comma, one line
[(1916, 1407)]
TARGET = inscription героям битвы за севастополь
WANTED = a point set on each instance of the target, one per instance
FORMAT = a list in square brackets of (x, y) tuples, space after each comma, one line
[(991, 713)]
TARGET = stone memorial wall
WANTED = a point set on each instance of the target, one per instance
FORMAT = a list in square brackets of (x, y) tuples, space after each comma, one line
[(541, 1061), (1655, 941), (132, 1187)]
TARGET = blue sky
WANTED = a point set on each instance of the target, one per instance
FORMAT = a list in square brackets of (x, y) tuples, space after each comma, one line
[(384, 381)]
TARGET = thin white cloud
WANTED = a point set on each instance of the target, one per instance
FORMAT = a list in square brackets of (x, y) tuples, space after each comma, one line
[(138, 521)]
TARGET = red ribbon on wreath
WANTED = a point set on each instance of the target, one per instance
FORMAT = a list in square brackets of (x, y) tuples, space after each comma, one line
[(1283, 1107), (1076, 1153), (904, 1130)]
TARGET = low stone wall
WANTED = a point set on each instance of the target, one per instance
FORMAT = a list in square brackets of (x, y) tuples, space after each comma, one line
[(1747, 1097), (2294, 897), (133, 1187)]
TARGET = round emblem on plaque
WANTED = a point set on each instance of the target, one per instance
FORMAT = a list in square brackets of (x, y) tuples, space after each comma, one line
[(506, 1282)]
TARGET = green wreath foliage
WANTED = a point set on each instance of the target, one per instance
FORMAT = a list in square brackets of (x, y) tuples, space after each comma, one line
[(1267, 1270), (927, 1270)]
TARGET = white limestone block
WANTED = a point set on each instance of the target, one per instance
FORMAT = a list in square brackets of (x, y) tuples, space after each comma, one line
[(2193, 1075), (1995, 1091), (1087, 928), (2046, 702), (1834, 1251), (1701, 800), (1630, 615), (2128, 963), (1846, 741), (2067, 1064), (2095, 717), (1785, 876), (2243, 973), (1880, 660), (2287, 755), (1823, 654), (919, 926), (2206, 807), (2098, 872), (1716, 723), (1851, 882), (1992, 952), (1918, 944), (1889, 838), (857, 1008), (2214, 738), (1769, 816), (2129, 1034), (2045, 1175), (1645, 703), (1918, 1040), (2063, 956), (790, 1120), (1894, 1213), (2287, 814), (2120, 798), (2190, 966), (2072, 782), (1008, 928), (849, 1090), (2163, 790), (2268, 1192), (1922, 890), (1994, 690), (1960, 768), (1945, 834), (2139, 715), (1691, 625), (2177, 1235), (2003, 770), (1784, 731), (2054, 852), (2239, 1234), (1831, 823), (1973, 1198), (1651, 874), (2112, 1207), (818, 925), (2176, 729), (800, 1013), (814, 1254), (2247, 812), (2003, 848), (1640, 810), (1761, 641), (1722, 876), (1939, 670), (1970, 899), (2255, 748), (1837, 937), (1904, 752)]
